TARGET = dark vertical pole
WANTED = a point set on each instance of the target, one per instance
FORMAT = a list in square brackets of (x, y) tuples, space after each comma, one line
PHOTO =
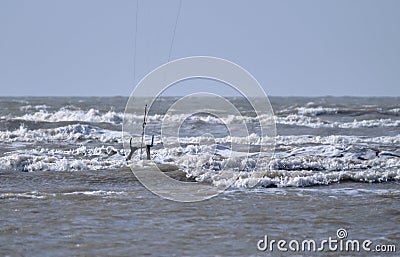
[(148, 148), (148, 151), (143, 126)]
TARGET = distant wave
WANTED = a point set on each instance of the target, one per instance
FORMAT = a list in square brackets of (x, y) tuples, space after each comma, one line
[(355, 111), (313, 122), (65, 114), (116, 118)]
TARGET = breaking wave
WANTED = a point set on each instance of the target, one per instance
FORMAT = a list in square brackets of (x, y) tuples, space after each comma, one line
[(303, 116), (70, 133), (68, 114), (73, 139)]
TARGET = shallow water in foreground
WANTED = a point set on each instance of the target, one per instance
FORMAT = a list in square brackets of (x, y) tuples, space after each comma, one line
[(107, 213)]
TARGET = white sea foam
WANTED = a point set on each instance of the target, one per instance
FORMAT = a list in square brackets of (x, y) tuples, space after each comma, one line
[(310, 109), (314, 111), (314, 122), (96, 193), (349, 191), (34, 107), (337, 139), (369, 123), (43, 195), (79, 132), (25, 195), (70, 133), (68, 160), (292, 119), (307, 178), (394, 110), (303, 166), (304, 116), (300, 160), (254, 139), (66, 114)]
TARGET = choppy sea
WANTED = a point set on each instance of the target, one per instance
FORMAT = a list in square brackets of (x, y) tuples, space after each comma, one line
[(67, 189)]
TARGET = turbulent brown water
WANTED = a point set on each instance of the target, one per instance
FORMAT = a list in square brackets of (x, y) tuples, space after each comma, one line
[(66, 188)]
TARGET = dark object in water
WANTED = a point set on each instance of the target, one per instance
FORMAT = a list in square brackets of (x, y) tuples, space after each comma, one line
[(134, 148)]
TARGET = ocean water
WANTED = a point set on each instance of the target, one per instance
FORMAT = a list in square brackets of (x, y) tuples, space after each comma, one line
[(67, 189)]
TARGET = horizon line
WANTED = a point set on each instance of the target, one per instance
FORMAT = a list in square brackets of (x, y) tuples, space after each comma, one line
[(291, 96)]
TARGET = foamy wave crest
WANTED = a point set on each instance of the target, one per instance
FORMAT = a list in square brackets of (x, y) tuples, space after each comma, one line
[(299, 160), (81, 158), (25, 195), (34, 107), (394, 110), (282, 141), (299, 171), (43, 195), (312, 122), (101, 193), (315, 111), (336, 140), (304, 178), (209, 119), (312, 110), (306, 116), (70, 133), (292, 119), (369, 123), (296, 178), (66, 114), (302, 165)]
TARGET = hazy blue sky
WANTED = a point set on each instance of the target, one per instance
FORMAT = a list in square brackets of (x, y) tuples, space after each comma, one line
[(308, 48)]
